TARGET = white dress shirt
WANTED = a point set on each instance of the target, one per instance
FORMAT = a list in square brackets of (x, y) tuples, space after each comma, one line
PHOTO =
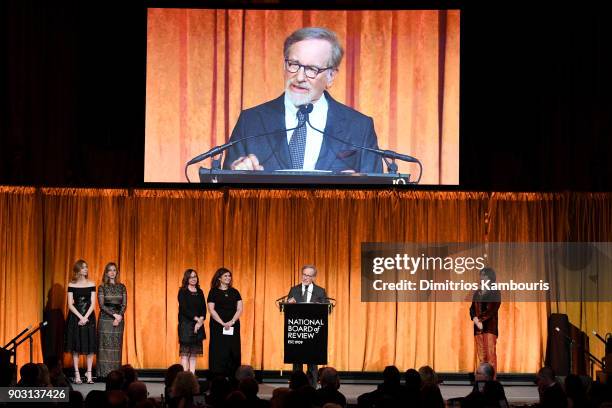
[(314, 139), (308, 291)]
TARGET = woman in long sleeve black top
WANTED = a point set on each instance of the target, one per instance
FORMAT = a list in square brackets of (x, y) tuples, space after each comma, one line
[(192, 312)]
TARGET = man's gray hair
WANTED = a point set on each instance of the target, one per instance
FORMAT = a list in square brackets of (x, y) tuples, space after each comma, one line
[(307, 266), (329, 378), (317, 33)]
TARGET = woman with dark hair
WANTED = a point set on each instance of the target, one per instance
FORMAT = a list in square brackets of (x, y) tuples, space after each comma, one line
[(171, 374), (81, 322), (192, 312), (112, 298), (184, 388), (225, 306)]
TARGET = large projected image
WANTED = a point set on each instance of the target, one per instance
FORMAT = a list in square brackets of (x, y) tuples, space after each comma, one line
[(302, 96)]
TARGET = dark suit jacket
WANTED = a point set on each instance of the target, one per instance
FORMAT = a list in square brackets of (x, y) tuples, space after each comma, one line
[(486, 307), (318, 294), (272, 151)]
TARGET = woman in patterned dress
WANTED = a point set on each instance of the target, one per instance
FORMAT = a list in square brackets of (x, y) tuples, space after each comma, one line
[(112, 297)]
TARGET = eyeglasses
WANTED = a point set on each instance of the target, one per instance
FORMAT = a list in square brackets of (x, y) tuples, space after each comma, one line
[(310, 71), (307, 276)]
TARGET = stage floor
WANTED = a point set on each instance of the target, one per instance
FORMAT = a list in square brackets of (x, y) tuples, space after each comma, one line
[(518, 395)]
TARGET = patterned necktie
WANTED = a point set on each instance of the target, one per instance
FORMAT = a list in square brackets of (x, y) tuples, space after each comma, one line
[(297, 144)]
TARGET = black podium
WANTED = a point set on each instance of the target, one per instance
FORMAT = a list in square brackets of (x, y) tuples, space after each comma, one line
[(305, 336)]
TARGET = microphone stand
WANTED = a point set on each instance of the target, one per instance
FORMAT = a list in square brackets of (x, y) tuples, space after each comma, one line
[(389, 156), (331, 303), (385, 154), (603, 363), (594, 360), (218, 150), (391, 165), (29, 337), (571, 348), (11, 346), (14, 340), (280, 302), (599, 337)]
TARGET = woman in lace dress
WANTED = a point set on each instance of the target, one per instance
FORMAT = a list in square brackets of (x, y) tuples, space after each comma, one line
[(112, 297)]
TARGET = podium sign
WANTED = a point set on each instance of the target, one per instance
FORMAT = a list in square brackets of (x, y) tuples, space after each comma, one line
[(305, 333)]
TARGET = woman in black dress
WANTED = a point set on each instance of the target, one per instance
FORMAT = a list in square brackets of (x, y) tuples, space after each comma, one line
[(81, 323), (192, 312), (225, 305), (112, 297)]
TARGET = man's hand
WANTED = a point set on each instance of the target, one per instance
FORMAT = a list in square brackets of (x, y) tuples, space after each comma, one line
[(249, 162), (291, 300)]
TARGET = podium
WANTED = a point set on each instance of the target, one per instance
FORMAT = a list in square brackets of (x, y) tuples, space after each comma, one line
[(211, 176), (305, 335)]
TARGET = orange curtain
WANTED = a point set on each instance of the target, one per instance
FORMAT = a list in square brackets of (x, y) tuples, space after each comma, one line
[(21, 268), (592, 222), (205, 66), (264, 236)]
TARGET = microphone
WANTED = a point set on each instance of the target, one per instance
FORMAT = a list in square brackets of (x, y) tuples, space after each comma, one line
[(280, 302), (220, 149), (14, 340), (385, 154), (32, 333), (564, 335), (599, 337), (306, 110), (390, 154)]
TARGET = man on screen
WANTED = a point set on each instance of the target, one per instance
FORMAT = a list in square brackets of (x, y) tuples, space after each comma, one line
[(308, 292), (312, 57)]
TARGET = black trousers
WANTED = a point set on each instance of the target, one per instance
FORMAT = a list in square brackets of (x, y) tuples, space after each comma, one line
[(312, 373)]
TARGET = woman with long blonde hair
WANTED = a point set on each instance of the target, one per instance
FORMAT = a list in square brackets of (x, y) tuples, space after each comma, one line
[(81, 322)]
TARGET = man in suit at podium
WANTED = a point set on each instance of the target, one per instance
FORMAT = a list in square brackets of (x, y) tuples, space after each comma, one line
[(312, 57), (308, 292)]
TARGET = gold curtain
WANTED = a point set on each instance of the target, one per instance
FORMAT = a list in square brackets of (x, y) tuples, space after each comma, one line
[(205, 66), (592, 222), (21, 269), (264, 236)]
